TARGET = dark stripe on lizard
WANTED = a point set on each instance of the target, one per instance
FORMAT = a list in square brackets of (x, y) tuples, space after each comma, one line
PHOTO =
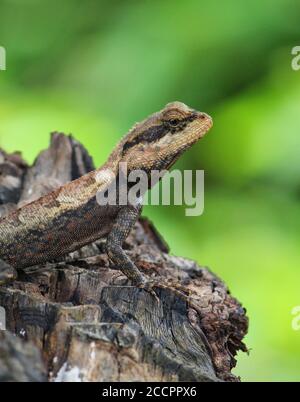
[(152, 134), (155, 133)]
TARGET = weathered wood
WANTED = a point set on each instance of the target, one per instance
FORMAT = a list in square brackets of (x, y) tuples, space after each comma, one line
[(86, 319), (19, 360), (12, 171)]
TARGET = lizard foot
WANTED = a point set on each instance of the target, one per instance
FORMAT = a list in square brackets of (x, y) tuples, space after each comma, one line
[(7, 273), (172, 284), (181, 291), (149, 286)]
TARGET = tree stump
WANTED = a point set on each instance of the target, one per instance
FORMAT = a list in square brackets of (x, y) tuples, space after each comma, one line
[(87, 322)]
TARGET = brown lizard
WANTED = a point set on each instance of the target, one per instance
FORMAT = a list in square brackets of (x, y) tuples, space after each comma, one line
[(70, 217)]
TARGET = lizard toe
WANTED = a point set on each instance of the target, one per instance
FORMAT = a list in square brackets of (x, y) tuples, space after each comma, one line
[(149, 286)]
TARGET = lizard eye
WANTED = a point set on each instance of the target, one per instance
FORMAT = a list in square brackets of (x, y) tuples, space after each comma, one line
[(174, 122)]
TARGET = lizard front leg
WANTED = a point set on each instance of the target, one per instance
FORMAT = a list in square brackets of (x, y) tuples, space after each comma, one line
[(7, 273), (124, 222)]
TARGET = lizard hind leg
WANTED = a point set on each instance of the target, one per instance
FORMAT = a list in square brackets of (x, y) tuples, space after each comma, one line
[(7, 273)]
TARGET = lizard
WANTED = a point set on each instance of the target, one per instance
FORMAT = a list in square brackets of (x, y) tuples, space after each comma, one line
[(69, 217)]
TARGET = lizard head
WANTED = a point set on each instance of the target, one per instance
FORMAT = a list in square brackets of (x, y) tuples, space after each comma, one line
[(158, 141)]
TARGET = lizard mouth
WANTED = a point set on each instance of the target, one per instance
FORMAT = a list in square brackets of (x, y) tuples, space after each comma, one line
[(208, 121), (205, 123)]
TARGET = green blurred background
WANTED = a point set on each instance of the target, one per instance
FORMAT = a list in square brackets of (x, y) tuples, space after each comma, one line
[(93, 68)]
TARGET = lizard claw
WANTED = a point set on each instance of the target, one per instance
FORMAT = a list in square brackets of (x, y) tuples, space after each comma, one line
[(175, 285), (154, 294), (181, 291), (148, 287)]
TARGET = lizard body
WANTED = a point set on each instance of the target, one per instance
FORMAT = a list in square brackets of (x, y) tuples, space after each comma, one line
[(70, 217)]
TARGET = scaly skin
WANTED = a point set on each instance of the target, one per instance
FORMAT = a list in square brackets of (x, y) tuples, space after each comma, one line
[(70, 217)]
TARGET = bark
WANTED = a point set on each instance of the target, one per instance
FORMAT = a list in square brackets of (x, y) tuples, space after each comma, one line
[(19, 360), (86, 320)]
